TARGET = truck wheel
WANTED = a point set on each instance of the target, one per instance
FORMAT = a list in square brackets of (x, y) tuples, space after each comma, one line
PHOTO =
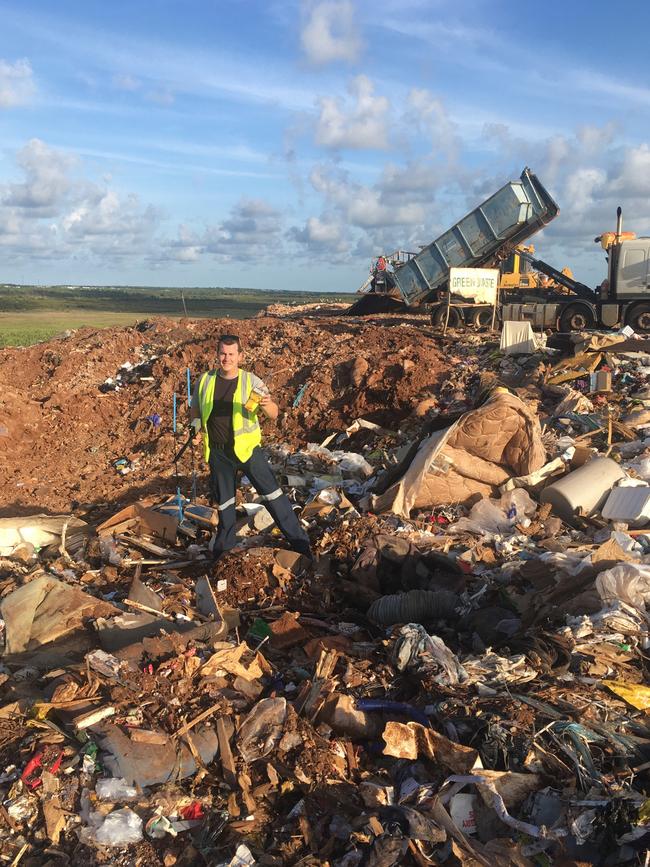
[(439, 314), (639, 318), (576, 318), (482, 318)]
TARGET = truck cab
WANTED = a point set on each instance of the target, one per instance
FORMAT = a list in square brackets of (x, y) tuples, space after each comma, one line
[(629, 270), (623, 298), (627, 288)]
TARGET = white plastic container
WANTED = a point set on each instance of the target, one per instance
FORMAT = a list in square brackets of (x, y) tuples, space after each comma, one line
[(584, 489), (630, 505)]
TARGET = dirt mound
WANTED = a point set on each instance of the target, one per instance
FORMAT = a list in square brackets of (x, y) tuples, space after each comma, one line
[(372, 303), (71, 408), (321, 308)]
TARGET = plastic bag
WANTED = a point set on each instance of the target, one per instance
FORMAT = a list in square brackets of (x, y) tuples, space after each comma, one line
[(416, 650), (641, 467), (627, 582), (119, 828), (243, 857), (262, 728), (497, 517), (355, 464), (109, 550), (104, 663), (115, 789)]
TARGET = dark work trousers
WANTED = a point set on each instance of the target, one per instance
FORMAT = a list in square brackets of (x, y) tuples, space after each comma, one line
[(223, 475)]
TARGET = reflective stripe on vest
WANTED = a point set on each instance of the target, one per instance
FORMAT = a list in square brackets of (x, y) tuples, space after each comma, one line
[(246, 429)]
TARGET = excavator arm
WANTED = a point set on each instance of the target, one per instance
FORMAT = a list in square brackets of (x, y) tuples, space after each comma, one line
[(574, 286)]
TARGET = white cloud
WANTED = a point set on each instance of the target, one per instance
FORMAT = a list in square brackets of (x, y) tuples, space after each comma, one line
[(46, 183), (581, 189), (589, 172), (167, 65), (361, 220), (107, 221), (366, 209), (633, 176), (592, 81), (429, 114), (593, 139), (321, 234), (16, 83), (362, 124), (363, 206), (54, 214), (252, 232), (162, 96), (417, 180), (186, 248), (330, 33)]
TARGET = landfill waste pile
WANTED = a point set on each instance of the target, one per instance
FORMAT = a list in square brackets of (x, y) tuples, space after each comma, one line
[(79, 413), (460, 677)]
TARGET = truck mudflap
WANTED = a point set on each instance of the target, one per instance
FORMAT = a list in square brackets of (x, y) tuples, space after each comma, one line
[(610, 315)]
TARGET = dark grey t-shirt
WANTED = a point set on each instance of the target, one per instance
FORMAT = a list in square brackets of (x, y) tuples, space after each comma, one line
[(220, 430)]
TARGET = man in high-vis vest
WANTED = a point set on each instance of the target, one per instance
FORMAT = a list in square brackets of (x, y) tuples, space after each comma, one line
[(225, 407)]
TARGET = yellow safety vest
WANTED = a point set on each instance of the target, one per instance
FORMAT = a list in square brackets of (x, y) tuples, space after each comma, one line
[(245, 426)]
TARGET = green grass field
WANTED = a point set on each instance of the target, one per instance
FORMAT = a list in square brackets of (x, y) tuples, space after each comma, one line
[(29, 314), (23, 329)]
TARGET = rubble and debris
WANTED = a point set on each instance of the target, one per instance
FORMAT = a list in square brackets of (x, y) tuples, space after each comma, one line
[(461, 676)]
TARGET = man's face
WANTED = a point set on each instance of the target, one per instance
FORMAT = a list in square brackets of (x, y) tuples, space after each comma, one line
[(229, 356)]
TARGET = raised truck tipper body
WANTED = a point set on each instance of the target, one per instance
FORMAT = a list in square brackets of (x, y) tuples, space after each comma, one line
[(483, 238)]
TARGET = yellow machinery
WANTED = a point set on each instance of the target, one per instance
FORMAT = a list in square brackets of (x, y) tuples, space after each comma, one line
[(518, 276)]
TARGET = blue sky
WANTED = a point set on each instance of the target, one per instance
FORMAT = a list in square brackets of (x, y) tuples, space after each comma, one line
[(283, 144)]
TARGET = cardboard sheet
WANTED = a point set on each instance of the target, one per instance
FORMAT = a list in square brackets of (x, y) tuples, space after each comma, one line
[(141, 520)]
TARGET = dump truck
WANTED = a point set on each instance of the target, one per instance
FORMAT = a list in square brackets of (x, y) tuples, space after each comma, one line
[(487, 237), (483, 238), (517, 281), (492, 234), (623, 298)]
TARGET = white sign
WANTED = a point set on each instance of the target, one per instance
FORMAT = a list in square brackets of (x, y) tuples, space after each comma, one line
[(477, 284)]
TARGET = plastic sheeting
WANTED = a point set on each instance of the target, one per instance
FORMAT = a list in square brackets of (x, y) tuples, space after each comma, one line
[(627, 582), (517, 338)]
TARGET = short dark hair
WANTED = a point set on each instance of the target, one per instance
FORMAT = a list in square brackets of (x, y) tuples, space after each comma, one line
[(229, 340)]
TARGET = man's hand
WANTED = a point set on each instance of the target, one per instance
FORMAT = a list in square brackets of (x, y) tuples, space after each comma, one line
[(269, 407)]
